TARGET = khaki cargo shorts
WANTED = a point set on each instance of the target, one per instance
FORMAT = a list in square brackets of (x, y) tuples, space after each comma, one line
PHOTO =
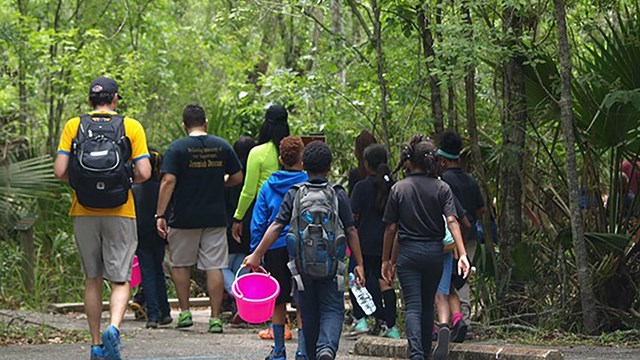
[(106, 245), (206, 247)]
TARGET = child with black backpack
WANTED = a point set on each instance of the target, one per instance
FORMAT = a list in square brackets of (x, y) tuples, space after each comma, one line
[(321, 223)]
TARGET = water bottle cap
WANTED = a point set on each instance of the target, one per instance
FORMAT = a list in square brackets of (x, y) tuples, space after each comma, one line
[(351, 276)]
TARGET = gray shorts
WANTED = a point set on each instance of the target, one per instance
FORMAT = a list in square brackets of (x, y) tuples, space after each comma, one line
[(106, 245), (206, 247)]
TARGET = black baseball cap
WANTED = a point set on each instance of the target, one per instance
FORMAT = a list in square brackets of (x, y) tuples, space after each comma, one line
[(104, 84)]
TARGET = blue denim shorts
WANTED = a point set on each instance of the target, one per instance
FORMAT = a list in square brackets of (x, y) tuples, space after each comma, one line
[(447, 268)]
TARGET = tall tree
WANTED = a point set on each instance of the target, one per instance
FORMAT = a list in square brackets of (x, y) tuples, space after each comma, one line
[(381, 70), (513, 122), (22, 67), (587, 298), (337, 26), (426, 36), (472, 125)]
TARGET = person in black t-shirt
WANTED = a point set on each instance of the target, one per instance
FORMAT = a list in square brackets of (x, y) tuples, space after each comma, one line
[(414, 213), (237, 250), (466, 189), (196, 169), (363, 140), (151, 247), (368, 201)]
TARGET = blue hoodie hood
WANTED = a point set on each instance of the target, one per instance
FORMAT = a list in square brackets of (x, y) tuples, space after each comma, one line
[(268, 204), (281, 181)]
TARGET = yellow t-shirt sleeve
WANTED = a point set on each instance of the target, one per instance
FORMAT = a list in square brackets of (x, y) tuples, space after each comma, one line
[(136, 134), (68, 134)]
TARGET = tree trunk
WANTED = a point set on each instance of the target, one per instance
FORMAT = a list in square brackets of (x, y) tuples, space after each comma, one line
[(472, 129), (358, 19), (434, 82), (452, 111), (315, 37), (587, 298), (52, 91), (337, 26), (382, 82), (513, 121), (22, 70)]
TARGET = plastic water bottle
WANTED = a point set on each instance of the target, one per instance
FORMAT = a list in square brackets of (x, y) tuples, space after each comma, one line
[(363, 297)]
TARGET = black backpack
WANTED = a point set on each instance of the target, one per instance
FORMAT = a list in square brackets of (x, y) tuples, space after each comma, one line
[(99, 170)]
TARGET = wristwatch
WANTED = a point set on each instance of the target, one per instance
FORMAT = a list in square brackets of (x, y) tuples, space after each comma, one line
[(158, 216)]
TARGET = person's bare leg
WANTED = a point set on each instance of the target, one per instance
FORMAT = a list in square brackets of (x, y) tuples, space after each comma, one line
[(454, 302), (299, 317), (279, 314), (118, 302), (93, 307), (182, 281), (442, 307), (215, 287)]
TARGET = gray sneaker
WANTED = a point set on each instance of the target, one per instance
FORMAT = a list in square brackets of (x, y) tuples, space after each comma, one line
[(442, 346), (325, 354)]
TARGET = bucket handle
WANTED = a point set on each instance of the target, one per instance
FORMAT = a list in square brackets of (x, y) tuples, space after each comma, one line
[(235, 283)]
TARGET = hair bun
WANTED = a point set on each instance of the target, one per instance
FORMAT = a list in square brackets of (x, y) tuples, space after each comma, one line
[(276, 113)]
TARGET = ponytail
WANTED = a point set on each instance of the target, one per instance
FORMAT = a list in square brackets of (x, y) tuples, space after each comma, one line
[(383, 184), (155, 158), (421, 153)]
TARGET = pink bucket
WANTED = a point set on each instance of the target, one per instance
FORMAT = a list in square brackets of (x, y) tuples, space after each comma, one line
[(136, 276), (255, 295)]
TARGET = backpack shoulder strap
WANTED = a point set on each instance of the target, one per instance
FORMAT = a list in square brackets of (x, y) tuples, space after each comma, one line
[(295, 211), (336, 190), (85, 121), (118, 123)]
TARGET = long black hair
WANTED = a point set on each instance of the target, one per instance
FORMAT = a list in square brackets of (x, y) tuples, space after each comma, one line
[(242, 147), (275, 126), (363, 140), (421, 153), (377, 159), (155, 158)]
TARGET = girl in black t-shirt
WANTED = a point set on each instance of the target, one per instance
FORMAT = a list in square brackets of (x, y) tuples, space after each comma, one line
[(363, 140), (414, 213), (368, 201)]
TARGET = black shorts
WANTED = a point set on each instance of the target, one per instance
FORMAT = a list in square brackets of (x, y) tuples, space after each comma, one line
[(275, 262)]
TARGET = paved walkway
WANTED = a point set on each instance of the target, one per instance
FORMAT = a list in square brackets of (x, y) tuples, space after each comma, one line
[(166, 343), (196, 344)]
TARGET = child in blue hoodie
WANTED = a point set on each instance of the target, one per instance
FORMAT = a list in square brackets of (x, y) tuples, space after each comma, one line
[(275, 260)]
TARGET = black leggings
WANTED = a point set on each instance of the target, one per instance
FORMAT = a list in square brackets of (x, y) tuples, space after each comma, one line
[(419, 270)]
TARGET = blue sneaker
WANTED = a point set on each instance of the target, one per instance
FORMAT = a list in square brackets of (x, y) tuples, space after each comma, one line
[(97, 352), (281, 354), (112, 343), (301, 356)]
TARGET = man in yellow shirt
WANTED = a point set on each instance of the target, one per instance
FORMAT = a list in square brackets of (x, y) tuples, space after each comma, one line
[(103, 210)]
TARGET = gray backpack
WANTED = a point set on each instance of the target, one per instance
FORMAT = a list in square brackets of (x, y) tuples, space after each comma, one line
[(316, 240)]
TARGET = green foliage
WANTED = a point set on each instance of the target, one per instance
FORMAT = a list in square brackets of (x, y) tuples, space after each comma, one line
[(236, 58)]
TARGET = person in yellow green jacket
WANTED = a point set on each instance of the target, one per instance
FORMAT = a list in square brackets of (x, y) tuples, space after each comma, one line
[(262, 162)]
